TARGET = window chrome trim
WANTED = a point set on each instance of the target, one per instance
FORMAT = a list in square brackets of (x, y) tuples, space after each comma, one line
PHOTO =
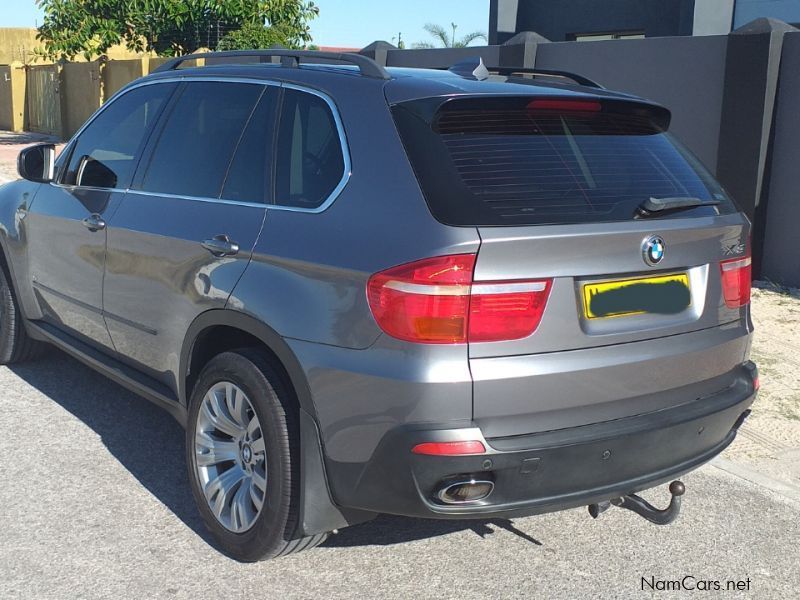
[(347, 172), (88, 188), (79, 176), (197, 198)]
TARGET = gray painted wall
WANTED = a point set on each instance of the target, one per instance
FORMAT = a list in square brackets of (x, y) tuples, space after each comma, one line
[(503, 17), (684, 74), (441, 58), (781, 262)]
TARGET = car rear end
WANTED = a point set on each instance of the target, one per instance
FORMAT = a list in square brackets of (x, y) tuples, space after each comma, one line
[(607, 343)]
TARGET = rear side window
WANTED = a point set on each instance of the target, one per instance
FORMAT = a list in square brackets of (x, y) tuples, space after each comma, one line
[(310, 162), (106, 152), (527, 161), (202, 131), (249, 176)]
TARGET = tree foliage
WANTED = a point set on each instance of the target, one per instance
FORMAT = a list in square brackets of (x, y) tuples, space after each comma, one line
[(168, 27), (253, 36), (447, 40)]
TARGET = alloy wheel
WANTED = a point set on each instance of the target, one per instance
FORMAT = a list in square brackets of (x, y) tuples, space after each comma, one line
[(230, 457)]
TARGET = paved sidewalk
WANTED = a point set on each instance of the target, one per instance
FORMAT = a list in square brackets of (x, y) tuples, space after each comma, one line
[(769, 441)]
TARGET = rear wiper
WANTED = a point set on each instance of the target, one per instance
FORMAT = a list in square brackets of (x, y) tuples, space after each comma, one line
[(656, 206)]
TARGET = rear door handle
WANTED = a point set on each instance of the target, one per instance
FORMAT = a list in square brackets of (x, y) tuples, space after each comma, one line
[(221, 245), (94, 222)]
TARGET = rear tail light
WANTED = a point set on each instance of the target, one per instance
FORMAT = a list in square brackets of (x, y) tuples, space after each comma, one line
[(566, 105), (506, 311), (736, 277), (436, 301), (449, 448), (424, 301)]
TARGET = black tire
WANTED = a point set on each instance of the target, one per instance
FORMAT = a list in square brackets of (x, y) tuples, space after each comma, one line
[(15, 343), (273, 533)]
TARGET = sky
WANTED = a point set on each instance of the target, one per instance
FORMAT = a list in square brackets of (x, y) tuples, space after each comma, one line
[(350, 23)]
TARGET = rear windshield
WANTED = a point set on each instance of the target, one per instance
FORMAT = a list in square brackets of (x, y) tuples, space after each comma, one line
[(527, 161)]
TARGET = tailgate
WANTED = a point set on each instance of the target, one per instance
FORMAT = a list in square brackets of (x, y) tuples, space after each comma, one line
[(586, 207), (575, 370), (575, 256)]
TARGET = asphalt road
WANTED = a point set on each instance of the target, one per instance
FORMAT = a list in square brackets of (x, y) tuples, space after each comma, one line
[(94, 503)]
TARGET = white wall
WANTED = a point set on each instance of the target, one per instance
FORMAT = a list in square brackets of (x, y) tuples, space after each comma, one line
[(507, 16), (713, 17)]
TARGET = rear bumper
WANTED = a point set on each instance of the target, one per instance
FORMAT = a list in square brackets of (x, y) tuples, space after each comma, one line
[(547, 471), (522, 394)]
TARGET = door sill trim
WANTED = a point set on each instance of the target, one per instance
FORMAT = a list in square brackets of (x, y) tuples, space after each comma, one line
[(127, 377)]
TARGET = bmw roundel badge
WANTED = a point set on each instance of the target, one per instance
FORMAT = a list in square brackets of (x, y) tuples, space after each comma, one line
[(653, 250)]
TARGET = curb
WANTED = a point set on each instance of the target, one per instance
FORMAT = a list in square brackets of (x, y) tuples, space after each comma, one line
[(788, 490)]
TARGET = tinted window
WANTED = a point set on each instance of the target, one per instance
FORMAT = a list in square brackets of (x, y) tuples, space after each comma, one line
[(105, 154), (249, 173), (310, 163), (202, 130), (517, 162)]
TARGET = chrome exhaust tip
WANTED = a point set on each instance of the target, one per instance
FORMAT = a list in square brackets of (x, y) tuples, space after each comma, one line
[(465, 491)]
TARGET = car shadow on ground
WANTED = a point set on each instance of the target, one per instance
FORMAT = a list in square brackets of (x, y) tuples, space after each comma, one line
[(149, 443), (387, 530)]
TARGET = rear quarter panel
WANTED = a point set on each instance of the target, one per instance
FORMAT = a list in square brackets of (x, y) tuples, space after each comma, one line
[(308, 275), (307, 280)]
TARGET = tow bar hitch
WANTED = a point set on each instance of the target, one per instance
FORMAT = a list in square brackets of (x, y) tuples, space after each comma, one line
[(643, 508)]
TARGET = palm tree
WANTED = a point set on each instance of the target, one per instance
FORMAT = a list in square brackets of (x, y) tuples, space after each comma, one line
[(449, 41)]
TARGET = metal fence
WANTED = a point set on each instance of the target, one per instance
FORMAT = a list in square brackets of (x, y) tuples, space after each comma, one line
[(43, 100)]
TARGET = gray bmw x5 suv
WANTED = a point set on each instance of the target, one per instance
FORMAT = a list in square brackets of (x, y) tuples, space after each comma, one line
[(455, 294)]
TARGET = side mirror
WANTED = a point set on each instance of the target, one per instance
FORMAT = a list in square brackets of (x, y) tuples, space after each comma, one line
[(37, 163)]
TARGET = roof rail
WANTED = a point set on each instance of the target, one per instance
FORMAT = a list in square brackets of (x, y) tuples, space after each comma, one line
[(289, 58), (474, 68)]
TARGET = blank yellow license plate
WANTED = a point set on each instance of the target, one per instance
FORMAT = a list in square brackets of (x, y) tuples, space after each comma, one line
[(666, 294)]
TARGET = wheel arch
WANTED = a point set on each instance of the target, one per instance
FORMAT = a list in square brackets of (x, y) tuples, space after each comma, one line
[(318, 512), (250, 327), (4, 252), (16, 200), (24, 294)]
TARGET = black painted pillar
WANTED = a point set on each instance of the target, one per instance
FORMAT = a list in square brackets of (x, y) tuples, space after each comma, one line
[(520, 50), (378, 51), (752, 67)]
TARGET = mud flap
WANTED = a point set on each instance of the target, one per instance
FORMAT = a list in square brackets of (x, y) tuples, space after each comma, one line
[(318, 512)]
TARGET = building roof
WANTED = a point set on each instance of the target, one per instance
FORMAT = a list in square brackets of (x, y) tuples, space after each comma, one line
[(339, 49)]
